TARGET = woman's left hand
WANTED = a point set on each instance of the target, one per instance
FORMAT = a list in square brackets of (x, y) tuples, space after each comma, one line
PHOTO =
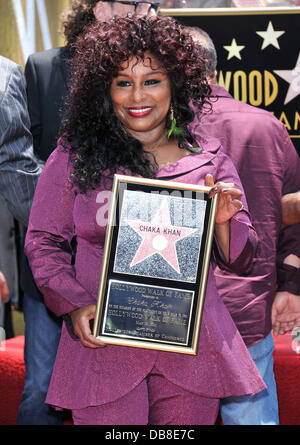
[(228, 202)]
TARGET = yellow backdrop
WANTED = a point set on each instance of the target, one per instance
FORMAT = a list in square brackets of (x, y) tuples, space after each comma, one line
[(10, 28)]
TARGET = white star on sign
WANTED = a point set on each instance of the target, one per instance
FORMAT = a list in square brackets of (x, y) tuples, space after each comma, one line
[(234, 50), (293, 78), (270, 36)]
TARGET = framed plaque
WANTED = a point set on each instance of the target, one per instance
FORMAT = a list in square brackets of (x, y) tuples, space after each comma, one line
[(155, 264)]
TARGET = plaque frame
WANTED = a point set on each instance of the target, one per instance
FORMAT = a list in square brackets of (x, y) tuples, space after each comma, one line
[(190, 295)]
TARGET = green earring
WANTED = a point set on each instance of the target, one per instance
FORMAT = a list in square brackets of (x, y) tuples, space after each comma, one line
[(179, 133), (176, 131)]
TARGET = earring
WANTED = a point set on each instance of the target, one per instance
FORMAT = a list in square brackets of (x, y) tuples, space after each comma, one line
[(172, 113), (179, 133), (174, 129), (122, 128)]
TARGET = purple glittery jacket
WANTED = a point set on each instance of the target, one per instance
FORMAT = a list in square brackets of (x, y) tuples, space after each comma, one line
[(83, 377)]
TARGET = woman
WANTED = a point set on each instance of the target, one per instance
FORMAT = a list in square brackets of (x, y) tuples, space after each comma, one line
[(128, 112)]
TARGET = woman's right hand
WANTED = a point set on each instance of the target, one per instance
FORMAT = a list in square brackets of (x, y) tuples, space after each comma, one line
[(80, 319)]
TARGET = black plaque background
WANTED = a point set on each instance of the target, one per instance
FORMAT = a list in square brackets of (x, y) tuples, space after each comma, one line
[(242, 26), (150, 281), (151, 317)]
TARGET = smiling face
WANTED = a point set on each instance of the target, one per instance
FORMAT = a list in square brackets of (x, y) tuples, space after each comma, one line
[(141, 96)]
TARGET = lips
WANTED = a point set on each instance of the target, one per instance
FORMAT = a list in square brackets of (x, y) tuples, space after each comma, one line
[(139, 111)]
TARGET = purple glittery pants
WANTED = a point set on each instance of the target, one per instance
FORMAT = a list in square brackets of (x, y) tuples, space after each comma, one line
[(155, 401)]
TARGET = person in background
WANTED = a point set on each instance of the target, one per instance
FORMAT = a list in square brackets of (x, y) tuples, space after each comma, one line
[(19, 173), (269, 166), (4, 292), (9, 265), (19, 169), (47, 75), (121, 115)]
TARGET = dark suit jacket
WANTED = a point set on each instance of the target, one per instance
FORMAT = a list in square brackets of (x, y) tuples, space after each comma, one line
[(19, 170), (19, 173), (47, 76)]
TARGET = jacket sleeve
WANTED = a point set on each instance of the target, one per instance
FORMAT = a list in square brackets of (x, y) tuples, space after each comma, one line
[(34, 107), (19, 169), (288, 277), (243, 237), (49, 236)]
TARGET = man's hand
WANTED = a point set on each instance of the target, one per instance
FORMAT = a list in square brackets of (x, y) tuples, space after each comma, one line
[(290, 209), (3, 288), (285, 312)]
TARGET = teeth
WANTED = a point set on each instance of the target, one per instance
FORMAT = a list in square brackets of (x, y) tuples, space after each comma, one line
[(140, 110)]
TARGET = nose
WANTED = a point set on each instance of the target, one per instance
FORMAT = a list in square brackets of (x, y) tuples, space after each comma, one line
[(151, 12), (138, 94)]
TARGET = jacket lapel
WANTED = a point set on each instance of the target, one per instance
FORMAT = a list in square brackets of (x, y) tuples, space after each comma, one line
[(192, 161)]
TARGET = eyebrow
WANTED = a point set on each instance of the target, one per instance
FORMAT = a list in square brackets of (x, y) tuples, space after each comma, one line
[(151, 73)]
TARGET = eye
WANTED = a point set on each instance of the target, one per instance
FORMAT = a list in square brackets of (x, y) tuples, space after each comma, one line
[(123, 83), (152, 82)]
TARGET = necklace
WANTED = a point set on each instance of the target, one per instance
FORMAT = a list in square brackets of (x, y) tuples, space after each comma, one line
[(188, 146), (158, 142), (182, 143)]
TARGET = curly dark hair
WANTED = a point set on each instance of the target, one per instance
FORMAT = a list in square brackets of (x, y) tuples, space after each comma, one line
[(77, 18), (98, 144)]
